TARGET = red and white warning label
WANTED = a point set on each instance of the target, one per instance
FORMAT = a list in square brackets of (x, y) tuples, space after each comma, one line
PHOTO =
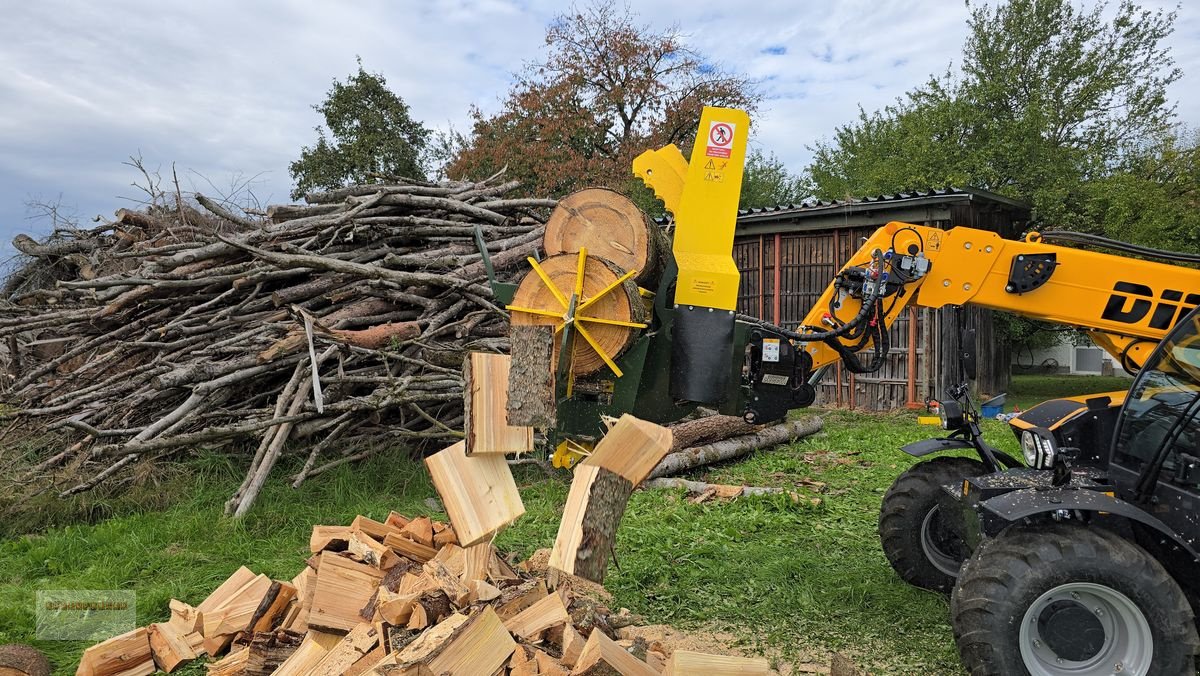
[(720, 139)]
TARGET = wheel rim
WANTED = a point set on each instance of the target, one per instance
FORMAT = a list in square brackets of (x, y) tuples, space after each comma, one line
[(1085, 628), (940, 545)]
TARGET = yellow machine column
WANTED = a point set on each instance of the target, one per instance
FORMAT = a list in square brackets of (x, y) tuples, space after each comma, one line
[(707, 288)]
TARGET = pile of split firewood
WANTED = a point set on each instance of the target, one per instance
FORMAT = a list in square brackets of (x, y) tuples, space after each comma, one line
[(402, 597), (334, 328)]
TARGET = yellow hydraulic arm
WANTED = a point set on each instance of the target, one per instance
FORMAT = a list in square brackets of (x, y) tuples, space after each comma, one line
[(1126, 304)]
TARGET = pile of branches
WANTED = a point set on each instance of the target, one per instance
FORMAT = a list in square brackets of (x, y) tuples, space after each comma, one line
[(332, 329)]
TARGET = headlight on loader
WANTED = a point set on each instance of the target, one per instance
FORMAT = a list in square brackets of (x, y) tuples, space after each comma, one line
[(951, 414), (1038, 447)]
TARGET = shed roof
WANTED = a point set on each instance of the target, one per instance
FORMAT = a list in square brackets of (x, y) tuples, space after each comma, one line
[(932, 196)]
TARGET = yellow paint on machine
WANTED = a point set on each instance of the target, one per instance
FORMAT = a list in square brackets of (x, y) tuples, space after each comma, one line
[(707, 212)]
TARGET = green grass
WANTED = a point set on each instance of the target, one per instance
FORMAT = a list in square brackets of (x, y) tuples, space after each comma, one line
[(786, 576)]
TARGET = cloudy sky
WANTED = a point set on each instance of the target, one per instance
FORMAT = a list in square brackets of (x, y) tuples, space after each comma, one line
[(223, 89)]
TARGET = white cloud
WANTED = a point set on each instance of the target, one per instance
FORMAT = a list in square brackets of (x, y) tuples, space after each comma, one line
[(224, 88)]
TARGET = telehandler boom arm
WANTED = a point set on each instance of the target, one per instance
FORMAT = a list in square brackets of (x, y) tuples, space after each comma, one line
[(1126, 305)]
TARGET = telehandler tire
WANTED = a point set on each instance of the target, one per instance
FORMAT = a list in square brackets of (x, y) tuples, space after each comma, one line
[(922, 550), (1053, 599)]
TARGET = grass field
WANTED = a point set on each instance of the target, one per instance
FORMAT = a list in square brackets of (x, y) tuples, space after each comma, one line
[(791, 578)]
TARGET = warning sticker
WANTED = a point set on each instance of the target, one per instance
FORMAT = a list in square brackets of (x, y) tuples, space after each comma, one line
[(720, 139), (770, 349)]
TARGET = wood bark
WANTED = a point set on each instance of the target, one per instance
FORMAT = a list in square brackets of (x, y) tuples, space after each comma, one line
[(728, 449), (531, 377)]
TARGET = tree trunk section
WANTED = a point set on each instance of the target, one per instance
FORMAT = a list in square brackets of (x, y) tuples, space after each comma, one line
[(531, 377), (691, 458), (610, 226)]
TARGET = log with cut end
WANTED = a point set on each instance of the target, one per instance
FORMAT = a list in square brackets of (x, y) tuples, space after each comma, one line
[(531, 376), (690, 458), (478, 492), (609, 225), (687, 663), (485, 407), (602, 298), (22, 660), (689, 433)]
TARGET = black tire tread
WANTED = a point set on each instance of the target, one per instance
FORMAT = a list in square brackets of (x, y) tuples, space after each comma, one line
[(904, 507), (986, 599)]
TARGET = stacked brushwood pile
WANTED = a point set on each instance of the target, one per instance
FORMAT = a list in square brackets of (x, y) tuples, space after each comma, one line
[(401, 597), (332, 328)]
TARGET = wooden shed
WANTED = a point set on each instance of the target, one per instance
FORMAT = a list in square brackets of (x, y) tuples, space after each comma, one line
[(789, 254)]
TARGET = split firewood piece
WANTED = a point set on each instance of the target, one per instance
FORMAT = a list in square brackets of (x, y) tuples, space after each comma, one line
[(601, 651), (540, 616), (221, 594), (125, 655), (445, 537), (371, 551), (479, 645), (515, 599), (235, 613), (479, 492), (269, 650), (423, 646), (396, 521), (448, 582), (547, 665), (686, 662), (396, 609), (609, 225), (500, 572), (522, 662), (587, 532), (333, 538), (233, 664), (342, 588), (169, 646), (297, 617), (482, 592), (416, 584), (632, 448), (367, 662), (419, 530), (572, 645), (476, 560), (312, 650), (273, 608), (599, 492), (374, 528), (531, 376), (184, 618), (407, 548), (360, 641), (485, 407)]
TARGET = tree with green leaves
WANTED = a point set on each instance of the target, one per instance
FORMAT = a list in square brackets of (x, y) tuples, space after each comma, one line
[(766, 182), (608, 89), (1049, 97), (371, 134)]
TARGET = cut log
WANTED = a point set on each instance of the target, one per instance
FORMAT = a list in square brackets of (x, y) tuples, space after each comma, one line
[(485, 407), (589, 523), (720, 491), (691, 458), (125, 655), (609, 225), (546, 613), (478, 492), (17, 659), (531, 376), (601, 651), (707, 429), (169, 647), (686, 663), (631, 449), (613, 301), (342, 588)]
